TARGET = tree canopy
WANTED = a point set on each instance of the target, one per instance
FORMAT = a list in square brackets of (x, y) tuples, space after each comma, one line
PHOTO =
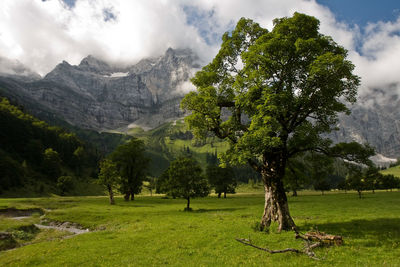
[(184, 178), (273, 94), (221, 179), (132, 166), (109, 177)]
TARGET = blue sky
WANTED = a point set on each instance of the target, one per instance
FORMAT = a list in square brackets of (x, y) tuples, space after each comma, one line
[(361, 12)]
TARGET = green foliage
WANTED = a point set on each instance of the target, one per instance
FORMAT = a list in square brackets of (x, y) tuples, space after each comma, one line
[(150, 184), (389, 181), (38, 153), (370, 179), (222, 180), (132, 165), (290, 75), (108, 175), (51, 164), (293, 84), (184, 178), (65, 184)]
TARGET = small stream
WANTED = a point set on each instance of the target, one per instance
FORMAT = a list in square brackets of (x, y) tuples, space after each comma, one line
[(64, 227), (20, 214)]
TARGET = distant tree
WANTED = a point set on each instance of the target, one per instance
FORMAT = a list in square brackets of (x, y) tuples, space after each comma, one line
[(355, 180), (132, 166), (321, 168), (273, 95), (109, 177), (322, 185), (11, 172), (184, 178), (65, 184), (150, 184), (79, 161), (162, 185), (222, 180), (51, 164), (389, 181), (372, 178)]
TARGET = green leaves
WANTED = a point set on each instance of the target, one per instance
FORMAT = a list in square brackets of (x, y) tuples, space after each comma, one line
[(131, 165), (288, 92), (184, 178)]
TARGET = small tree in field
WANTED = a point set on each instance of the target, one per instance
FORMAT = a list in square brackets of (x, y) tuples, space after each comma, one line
[(184, 178), (109, 177), (272, 95), (221, 179), (65, 184), (372, 178), (355, 179), (131, 166), (150, 184)]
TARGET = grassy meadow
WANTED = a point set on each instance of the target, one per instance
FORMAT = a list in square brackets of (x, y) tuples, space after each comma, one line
[(393, 170), (153, 231)]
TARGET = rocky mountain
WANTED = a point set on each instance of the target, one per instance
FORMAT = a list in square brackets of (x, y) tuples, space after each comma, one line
[(101, 96), (374, 119)]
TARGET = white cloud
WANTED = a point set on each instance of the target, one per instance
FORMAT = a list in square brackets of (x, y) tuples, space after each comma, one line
[(42, 34)]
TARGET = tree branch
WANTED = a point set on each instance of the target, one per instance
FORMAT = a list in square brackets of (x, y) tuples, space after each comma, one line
[(247, 242)]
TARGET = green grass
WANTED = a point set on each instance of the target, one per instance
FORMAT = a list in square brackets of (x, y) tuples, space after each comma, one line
[(152, 231), (393, 170)]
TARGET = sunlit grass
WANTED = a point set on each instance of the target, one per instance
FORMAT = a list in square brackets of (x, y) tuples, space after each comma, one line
[(393, 170), (152, 231)]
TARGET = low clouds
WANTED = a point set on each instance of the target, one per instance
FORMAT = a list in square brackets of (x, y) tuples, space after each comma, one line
[(42, 34)]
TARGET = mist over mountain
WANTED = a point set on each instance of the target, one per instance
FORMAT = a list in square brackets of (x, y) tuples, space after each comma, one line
[(104, 97)]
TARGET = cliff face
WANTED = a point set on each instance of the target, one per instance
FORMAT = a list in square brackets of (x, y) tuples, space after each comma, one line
[(374, 119), (101, 96)]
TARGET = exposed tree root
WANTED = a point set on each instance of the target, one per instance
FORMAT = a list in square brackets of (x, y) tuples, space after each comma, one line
[(312, 239)]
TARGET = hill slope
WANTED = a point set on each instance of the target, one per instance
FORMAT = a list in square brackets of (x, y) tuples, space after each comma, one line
[(33, 155)]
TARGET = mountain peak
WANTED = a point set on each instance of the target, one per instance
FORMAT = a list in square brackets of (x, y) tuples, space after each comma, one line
[(93, 64)]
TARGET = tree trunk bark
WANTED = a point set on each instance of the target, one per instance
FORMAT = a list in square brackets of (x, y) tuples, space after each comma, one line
[(359, 193), (276, 205), (132, 196), (188, 204), (126, 196), (219, 194), (224, 194), (111, 194)]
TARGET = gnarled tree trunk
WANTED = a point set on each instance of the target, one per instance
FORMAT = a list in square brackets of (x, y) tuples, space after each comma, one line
[(276, 205)]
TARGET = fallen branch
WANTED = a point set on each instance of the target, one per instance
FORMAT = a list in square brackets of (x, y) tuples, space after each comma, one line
[(322, 239), (247, 242)]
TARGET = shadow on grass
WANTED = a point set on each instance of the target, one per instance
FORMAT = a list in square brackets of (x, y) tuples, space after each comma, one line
[(381, 231), (216, 210)]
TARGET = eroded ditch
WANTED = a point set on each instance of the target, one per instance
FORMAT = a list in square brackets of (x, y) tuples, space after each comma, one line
[(22, 235)]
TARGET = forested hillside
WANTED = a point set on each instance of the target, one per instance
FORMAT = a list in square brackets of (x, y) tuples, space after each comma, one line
[(38, 159)]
